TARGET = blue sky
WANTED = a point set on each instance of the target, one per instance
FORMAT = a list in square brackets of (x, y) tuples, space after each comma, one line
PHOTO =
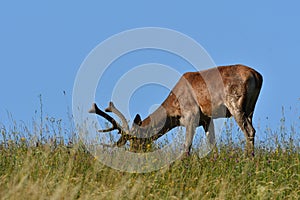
[(42, 45)]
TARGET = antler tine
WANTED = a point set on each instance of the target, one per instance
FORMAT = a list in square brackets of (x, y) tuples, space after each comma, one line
[(106, 130), (115, 125), (113, 109)]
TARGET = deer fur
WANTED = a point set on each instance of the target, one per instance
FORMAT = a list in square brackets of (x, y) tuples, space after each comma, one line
[(197, 99)]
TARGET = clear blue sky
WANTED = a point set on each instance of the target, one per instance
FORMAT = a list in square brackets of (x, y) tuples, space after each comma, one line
[(43, 43)]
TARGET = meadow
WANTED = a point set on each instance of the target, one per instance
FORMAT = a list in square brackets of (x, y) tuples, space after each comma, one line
[(47, 161)]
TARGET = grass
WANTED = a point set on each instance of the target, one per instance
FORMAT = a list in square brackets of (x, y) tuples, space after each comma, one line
[(55, 168)]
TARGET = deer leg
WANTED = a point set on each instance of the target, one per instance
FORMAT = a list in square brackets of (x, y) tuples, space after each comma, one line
[(245, 123), (249, 132), (210, 133), (190, 122), (190, 132), (250, 140)]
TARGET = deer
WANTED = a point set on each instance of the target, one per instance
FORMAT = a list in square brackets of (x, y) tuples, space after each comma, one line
[(196, 99)]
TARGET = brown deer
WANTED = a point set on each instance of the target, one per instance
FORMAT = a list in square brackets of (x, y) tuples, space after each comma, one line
[(196, 99)]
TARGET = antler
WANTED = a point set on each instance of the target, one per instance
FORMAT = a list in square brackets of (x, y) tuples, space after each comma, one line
[(115, 125), (113, 109), (123, 130)]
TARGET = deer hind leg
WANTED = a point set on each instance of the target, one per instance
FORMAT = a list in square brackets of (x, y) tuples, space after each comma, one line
[(244, 122)]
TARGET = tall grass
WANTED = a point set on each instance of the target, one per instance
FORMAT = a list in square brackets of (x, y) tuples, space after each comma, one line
[(48, 162)]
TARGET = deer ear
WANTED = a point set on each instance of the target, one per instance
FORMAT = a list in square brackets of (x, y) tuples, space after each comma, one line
[(137, 120)]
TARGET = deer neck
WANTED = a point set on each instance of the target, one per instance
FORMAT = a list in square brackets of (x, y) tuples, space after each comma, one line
[(159, 122)]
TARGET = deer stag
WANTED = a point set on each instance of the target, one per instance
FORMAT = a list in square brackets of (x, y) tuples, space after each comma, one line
[(196, 99)]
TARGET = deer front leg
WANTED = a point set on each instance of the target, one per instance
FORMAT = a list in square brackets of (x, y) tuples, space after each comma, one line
[(190, 122), (189, 135), (210, 134)]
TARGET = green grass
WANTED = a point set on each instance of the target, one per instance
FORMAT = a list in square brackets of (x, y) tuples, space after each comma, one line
[(52, 169)]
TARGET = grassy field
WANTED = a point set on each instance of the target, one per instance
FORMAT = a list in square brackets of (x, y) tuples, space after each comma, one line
[(53, 169)]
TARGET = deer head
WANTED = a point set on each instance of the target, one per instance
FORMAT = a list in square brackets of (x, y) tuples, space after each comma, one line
[(137, 144)]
